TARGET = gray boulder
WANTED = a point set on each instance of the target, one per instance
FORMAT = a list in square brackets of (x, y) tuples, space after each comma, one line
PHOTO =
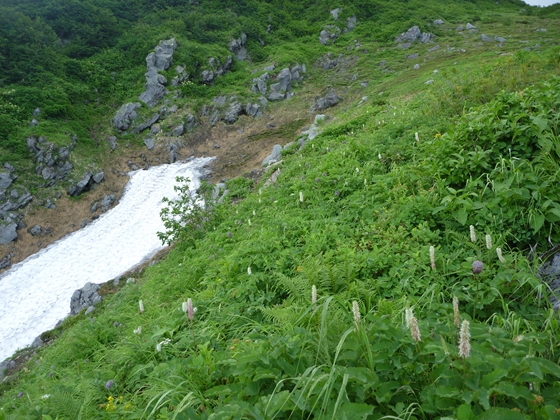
[(283, 81), (98, 177), (5, 180), (8, 233), (9, 167), (147, 124), (34, 122), (327, 101), (179, 130), (470, 27), (438, 22), (85, 297), (414, 34), (274, 157), (190, 122), (5, 263), (112, 140), (149, 142), (276, 96), (39, 231), (173, 156), (499, 39), (207, 76), (253, 110), (329, 34), (351, 23), (486, 38), (259, 85), (107, 202), (335, 13), (81, 186), (237, 46), (122, 120), (232, 114)]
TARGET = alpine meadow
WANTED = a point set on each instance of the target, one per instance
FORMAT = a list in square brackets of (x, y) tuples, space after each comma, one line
[(378, 236)]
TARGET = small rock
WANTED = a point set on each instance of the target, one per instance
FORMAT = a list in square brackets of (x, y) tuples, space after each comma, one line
[(149, 142), (107, 202), (98, 177), (438, 22), (8, 233), (93, 208)]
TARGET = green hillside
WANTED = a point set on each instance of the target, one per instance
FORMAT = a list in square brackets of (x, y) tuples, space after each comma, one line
[(389, 268)]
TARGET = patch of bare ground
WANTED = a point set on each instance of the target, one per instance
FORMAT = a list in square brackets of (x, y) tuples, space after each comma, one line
[(239, 148)]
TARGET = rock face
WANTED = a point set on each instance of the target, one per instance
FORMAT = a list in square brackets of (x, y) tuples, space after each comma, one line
[(327, 101), (83, 298), (237, 46), (52, 161), (156, 61), (217, 69), (125, 116), (5, 180), (313, 131)]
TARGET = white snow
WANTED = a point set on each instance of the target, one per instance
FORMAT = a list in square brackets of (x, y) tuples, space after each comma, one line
[(35, 294)]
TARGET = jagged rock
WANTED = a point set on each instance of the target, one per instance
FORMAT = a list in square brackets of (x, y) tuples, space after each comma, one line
[(469, 27), (49, 204), (85, 297), (107, 202), (5, 263), (34, 122), (98, 177), (233, 112), (335, 13), (149, 142), (329, 100), (112, 140), (94, 207), (161, 59), (313, 131), (416, 66), (8, 233), (5, 180), (326, 62), (351, 23), (275, 156), (435, 48), (412, 56), (259, 85), (182, 75), (147, 124), (39, 231), (499, 39), (14, 193), (190, 122), (284, 82), (253, 110), (276, 96), (438, 22), (9, 167), (81, 186), (124, 117), (329, 34), (414, 34), (460, 28), (21, 225), (173, 156), (207, 76), (36, 112), (269, 68), (24, 200), (214, 118), (179, 130), (237, 46), (155, 129), (486, 38)]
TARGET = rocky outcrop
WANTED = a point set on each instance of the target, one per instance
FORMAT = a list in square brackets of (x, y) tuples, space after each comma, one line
[(327, 101), (228, 110), (313, 131), (39, 231), (157, 61), (85, 184), (274, 157), (237, 46), (107, 202), (412, 35), (217, 69), (125, 116), (182, 75), (329, 34), (84, 298), (52, 161), (284, 82)]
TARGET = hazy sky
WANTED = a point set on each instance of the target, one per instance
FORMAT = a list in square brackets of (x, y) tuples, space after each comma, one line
[(541, 2)]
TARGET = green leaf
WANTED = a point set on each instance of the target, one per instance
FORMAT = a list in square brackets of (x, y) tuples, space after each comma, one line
[(491, 378), (464, 412), (541, 123), (353, 411), (547, 366), (461, 215), (499, 413), (536, 221)]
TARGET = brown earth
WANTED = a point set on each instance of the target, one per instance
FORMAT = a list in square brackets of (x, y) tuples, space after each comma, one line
[(239, 148)]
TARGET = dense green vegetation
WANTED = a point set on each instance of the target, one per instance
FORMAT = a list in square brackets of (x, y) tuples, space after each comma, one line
[(375, 214)]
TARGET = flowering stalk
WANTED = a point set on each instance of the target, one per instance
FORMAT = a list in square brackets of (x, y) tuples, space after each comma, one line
[(301, 197), (464, 340), (488, 242), (500, 256), (356, 312), (473, 233), (313, 294), (456, 315), (189, 310), (433, 257), (141, 305), (414, 330), (417, 137), (408, 315)]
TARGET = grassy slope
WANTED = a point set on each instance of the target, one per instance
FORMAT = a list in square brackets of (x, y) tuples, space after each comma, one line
[(374, 201)]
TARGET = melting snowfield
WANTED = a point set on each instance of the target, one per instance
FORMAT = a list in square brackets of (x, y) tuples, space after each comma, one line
[(35, 294)]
